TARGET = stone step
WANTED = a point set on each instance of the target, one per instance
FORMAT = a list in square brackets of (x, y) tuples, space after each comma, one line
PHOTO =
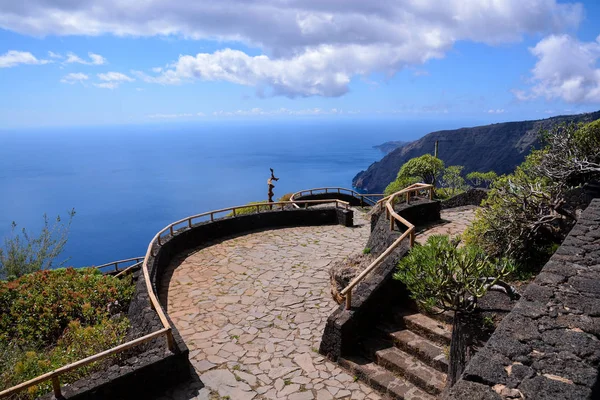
[(436, 331), (382, 380), (417, 346), (442, 316), (406, 366)]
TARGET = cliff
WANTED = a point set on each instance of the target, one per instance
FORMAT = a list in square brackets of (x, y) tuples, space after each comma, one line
[(497, 147)]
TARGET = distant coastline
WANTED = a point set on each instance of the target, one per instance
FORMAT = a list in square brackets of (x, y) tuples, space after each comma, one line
[(390, 146)]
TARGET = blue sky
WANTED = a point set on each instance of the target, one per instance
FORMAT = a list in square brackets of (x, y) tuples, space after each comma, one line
[(70, 63)]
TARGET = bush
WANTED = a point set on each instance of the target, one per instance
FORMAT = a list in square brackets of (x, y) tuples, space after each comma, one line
[(442, 275), (250, 209), (482, 179), (36, 308), (54, 317), (23, 253), (426, 169), (22, 364), (452, 182)]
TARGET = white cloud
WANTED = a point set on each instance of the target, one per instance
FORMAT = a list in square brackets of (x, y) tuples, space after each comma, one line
[(496, 111), (114, 77), (13, 58), (95, 59), (320, 45), (566, 69), (74, 77), (112, 80), (52, 54)]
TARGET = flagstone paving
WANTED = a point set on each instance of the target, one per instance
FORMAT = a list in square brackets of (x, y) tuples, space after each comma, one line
[(454, 222), (252, 310)]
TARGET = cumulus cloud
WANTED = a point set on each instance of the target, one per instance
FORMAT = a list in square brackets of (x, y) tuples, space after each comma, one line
[(95, 59), (496, 111), (52, 54), (112, 80), (566, 69), (320, 45), (74, 77), (13, 58)]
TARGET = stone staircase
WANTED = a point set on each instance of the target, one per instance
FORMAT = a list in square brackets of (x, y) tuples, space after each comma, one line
[(403, 357)]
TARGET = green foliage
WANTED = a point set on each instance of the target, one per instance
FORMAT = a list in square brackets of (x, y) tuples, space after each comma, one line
[(51, 318), (36, 308), (20, 364), (518, 219), (24, 253), (367, 250), (399, 184), (441, 274), (426, 169), (482, 179), (251, 209), (285, 197), (452, 181)]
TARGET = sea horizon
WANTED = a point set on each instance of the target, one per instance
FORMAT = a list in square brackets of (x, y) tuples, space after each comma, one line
[(128, 182)]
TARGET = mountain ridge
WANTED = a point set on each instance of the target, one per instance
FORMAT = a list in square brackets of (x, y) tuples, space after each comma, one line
[(498, 147)]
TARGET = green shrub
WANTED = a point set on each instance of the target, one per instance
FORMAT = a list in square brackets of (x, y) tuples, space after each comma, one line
[(452, 181), (442, 275), (250, 209), (36, 308), (20, 364), (426, 169), (285, 197), (481, 179), (24, 253)]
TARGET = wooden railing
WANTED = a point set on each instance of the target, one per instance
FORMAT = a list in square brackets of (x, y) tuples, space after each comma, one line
[(166, 331), (115, 264), (365, 198), (388, 202)]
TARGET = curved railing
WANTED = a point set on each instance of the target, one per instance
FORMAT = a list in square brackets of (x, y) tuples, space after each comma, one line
[(388, 202), (115, 264), (364, 198), (166, 331)]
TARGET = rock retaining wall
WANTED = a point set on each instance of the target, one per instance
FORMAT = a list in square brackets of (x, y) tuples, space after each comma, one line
[(345, 327), (472, 197), (548, 346)]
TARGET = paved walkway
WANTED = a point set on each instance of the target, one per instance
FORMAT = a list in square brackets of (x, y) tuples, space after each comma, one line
[(454, 222), (252, 310)]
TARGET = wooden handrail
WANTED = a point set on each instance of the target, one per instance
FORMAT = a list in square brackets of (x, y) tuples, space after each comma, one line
[(53, 375), (167, 329), (116, 263), (326, 190), (393, 216)]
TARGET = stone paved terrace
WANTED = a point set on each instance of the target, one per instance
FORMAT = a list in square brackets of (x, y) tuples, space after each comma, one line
[(454, 222), (252, 310)]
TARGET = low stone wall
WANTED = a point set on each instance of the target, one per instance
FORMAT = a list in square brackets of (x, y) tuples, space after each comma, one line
[(344, 328), (334, 195), (472, 197), (548, 346)]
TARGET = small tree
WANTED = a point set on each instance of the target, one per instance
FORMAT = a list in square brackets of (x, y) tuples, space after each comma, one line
[(442, 275), (426, 169), (482, 179), (452, 180), (24, 253)]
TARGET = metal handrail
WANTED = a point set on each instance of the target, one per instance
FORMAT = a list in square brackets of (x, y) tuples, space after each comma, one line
[(393, 217), (364, 197), (167, 329)]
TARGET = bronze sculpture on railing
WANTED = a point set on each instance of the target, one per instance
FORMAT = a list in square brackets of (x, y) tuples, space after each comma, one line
[(271, 186)]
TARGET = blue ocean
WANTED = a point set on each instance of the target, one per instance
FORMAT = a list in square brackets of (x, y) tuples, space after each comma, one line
[(127, 182)]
